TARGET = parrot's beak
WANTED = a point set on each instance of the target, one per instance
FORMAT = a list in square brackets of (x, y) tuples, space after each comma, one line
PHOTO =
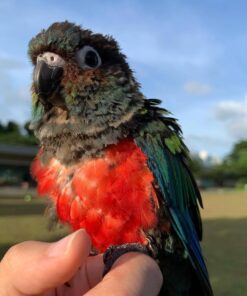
[(47, 80)]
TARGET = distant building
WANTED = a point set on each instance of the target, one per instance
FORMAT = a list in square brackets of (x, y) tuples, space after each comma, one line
[(15, 161)]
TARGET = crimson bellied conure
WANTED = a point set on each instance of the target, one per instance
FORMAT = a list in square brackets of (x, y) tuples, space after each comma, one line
[(113, 161)]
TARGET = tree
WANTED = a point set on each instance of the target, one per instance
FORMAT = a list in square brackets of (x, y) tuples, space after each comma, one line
[(235, 163), (11, 134), (232, 171), (196, 165), (12, 127), (2, 128)]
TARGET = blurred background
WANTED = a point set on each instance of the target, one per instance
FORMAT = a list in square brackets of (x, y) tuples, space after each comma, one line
[(192, 55)]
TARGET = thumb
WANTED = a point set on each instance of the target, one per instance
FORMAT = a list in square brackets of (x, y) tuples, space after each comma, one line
[(32, 268)]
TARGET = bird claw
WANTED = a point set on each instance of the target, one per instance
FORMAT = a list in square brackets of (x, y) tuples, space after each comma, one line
[(114, 252)]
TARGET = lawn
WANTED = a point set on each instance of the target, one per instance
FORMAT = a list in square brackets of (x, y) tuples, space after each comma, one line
[(225, 241), (224, 245), (22, 218)]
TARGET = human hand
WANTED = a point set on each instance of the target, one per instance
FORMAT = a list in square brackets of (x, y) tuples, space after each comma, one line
[(37, 268)]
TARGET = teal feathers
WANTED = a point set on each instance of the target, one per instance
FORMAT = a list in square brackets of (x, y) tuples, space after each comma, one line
[(160, 139)]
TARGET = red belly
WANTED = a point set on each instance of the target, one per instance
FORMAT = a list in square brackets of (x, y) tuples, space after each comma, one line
[(112, 197)]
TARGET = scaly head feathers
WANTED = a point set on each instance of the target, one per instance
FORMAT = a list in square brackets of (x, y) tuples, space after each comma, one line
[(82, 84)]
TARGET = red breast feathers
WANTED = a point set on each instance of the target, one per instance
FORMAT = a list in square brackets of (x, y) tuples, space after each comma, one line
[(112, 197)]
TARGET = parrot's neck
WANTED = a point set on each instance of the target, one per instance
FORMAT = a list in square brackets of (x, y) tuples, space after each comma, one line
[(70, 139)]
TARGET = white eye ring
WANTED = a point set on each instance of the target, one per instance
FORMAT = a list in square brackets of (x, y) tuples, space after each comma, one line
[(88, 58)]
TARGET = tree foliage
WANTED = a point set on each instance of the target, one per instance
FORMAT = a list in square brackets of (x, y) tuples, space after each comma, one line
[(13, 133), (236, 163), (231, 172)]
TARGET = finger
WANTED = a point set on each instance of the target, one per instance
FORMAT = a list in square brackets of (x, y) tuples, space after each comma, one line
[(132, 274), (32, 268), (88, 276), (94, 270)]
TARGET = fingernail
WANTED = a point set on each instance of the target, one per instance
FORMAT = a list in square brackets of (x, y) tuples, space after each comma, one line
[(62, 247)]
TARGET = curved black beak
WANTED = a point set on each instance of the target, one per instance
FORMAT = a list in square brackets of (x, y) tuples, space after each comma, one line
[(46, 79)]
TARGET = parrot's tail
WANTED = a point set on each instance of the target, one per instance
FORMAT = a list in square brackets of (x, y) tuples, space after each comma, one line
[(180, 278)]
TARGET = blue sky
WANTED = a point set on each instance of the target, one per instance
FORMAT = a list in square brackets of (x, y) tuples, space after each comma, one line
[(191, 54)]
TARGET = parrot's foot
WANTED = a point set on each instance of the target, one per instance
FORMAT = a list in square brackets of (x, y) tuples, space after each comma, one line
[(114, 252)]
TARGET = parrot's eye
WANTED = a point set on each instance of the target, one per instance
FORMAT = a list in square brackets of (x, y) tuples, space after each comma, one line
[(88, 58)]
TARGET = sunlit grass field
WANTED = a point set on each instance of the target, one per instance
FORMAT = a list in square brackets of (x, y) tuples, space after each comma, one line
[(224, 244), (225, 241), (22, 218)]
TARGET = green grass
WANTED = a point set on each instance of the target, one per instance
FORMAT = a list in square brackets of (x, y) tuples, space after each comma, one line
[(224, 244), (225, 241), (21, 220)]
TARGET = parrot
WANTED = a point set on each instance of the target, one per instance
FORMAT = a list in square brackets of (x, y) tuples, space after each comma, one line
[(111, 160)]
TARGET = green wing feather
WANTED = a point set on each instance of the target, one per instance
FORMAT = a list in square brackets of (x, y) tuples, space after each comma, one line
[(159, 136)]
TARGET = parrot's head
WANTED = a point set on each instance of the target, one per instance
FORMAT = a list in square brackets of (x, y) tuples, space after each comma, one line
[(82, 83)]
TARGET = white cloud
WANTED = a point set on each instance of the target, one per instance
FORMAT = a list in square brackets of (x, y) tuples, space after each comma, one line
[(197, 88), (228, 110), (234, 115)]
